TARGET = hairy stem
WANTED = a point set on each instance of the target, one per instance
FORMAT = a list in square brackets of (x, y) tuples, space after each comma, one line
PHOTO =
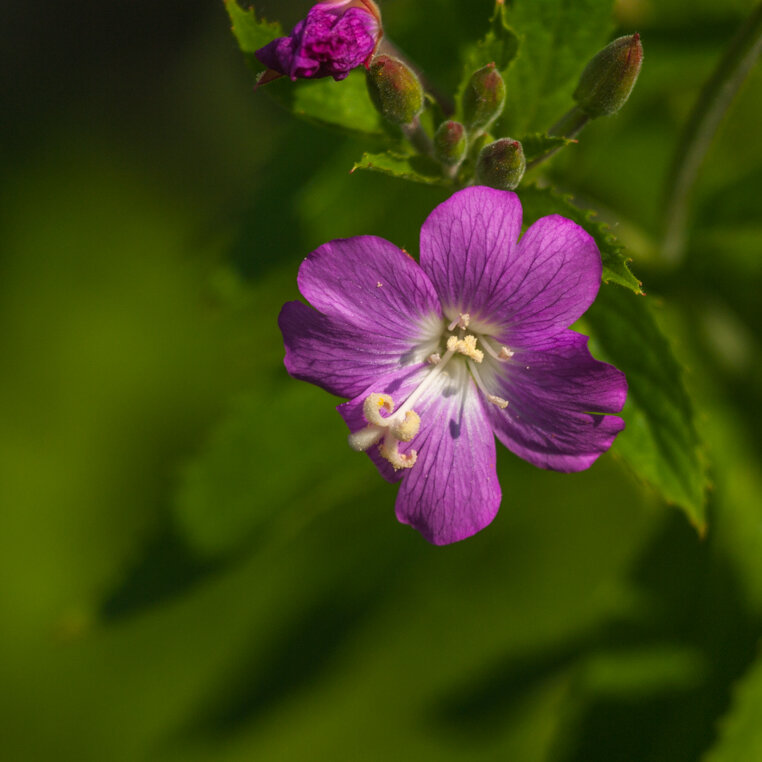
[(713, 101)]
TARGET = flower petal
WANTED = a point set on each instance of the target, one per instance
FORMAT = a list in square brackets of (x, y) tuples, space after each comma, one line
[(373, 286), (334, 355), (468, 244), (555, 392), (452, 491), (554, 278)]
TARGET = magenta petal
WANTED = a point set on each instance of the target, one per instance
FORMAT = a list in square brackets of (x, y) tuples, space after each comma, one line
[(333, 355), (556, 392), (553, 280), (374, 286), (452, 491), (467, 245)]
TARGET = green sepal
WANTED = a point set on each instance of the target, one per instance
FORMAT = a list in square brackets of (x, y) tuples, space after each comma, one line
[(251, 34), (538, 145)]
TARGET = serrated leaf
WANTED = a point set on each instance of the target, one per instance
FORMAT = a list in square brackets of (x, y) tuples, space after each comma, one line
[(418, 169), (660, 442), (556, 40), (499, 46), (741, 730), (538, 145), (539, 202), (251, 33)]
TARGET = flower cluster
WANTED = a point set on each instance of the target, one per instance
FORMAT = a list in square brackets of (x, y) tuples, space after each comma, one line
[(440, 358), (334, 38)]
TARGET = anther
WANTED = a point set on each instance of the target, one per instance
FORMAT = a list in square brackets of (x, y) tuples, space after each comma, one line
[(407, 428), (461, 321), (505, 353), (373, 405), (389, 450), (466, 346), (499, 401)]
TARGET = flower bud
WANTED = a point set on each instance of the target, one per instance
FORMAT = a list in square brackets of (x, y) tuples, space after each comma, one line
[(334, 38), (483, 98), (450, 143), (395, 90), (607, 81), (501, 164)]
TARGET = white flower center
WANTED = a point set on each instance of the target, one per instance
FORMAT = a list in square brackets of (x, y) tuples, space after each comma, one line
[(403, 424)]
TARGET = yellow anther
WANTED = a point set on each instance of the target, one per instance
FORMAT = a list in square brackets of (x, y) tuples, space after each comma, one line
[(407, 428), (433, 359), (466, 346), (373, 405), (390, 451), (499, 401), (505, 353)]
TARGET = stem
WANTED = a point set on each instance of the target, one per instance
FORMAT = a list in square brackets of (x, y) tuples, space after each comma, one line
[(567, 126), (418, 137), (713, 101), (387, 47)]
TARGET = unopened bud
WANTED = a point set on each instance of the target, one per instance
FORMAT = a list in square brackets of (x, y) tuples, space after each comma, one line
[(395, 90), (483, 98), (501, 164), (450, 143), (607, 81)]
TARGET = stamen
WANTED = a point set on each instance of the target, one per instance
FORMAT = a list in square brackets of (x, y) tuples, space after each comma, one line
[(389, 449), (461, 321), (466, 346), (493, 398), (502, 354), (373, 405), (408, 427), (434, 359), (361, 440)]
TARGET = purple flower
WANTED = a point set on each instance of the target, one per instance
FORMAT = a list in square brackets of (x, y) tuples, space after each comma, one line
[(336, 36), (440, 358)]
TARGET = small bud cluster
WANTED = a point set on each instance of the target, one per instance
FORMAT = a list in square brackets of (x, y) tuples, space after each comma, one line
[(339, 35)]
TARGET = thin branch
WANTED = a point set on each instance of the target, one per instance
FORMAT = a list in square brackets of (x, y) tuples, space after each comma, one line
[(712, 104)]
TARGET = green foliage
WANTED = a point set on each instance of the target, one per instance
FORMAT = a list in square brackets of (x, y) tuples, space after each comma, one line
[(660, 442), (251, 33), (539, 145), (248, 481), (556, 41), (418, 169), (741, 730), (538, 202)]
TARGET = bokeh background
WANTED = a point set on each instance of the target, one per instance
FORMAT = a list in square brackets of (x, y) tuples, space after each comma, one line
[(193, 565)]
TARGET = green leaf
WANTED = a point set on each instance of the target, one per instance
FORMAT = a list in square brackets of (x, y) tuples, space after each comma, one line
[(258, 466), (418, 169), (538, 145), (251, 33), (740, 730), (499, 45), (539, 202), (557, 39), (660, 442)]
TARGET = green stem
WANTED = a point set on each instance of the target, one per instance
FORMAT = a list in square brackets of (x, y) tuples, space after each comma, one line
[(567, 126), (712, 104), (418, 137)]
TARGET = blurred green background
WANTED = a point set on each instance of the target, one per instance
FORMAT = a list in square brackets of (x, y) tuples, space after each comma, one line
[(193, 565)]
